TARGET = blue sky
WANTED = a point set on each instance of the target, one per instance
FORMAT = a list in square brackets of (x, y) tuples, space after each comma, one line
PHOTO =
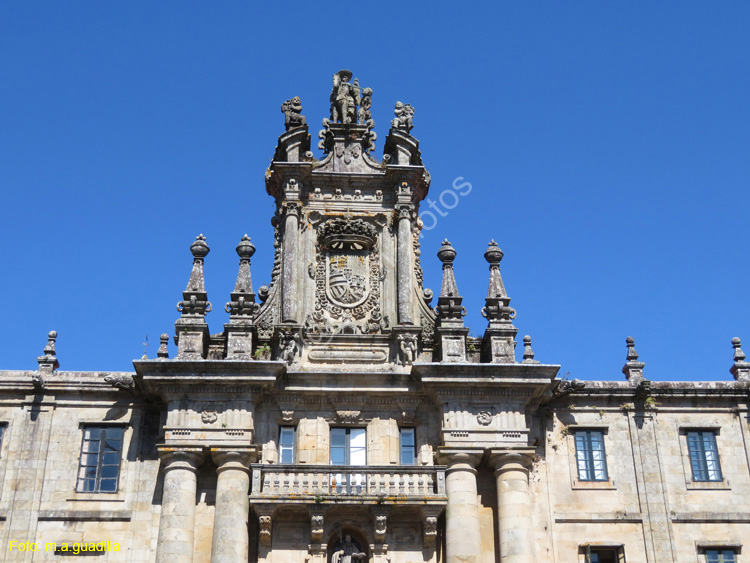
[(607, 144)]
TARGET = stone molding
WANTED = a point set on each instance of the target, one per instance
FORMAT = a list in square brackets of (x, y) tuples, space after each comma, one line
[(180, 458)]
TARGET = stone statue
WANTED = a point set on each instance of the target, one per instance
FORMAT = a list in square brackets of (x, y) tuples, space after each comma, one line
[(292, 110), (364, 115), (404, 116), (290, 349), (407, 349), (345, 97), (347, 552)]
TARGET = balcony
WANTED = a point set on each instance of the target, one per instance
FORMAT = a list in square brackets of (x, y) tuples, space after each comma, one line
[(383, 484)]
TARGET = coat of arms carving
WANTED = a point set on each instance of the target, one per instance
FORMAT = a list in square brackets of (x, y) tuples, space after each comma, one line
[(347, 275)]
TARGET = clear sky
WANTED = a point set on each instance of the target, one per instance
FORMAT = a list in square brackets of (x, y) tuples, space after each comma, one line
[(607, 145)]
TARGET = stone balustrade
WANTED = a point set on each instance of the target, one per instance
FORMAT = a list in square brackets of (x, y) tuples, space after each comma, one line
[(331, 482)]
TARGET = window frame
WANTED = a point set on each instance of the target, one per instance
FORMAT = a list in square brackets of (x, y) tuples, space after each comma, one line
[(401, 431), (347, 445), (720, 551), (100, 465), (588, 468), (699, 454), (588, 549), (288, 447), (690, 482)]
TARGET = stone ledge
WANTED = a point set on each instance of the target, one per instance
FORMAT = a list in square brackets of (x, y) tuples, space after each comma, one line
[(602, 518), (711, 517), (86, 515)]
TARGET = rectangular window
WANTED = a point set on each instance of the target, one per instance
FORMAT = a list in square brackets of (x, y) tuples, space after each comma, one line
[(286, 444), (604, 554), (408, 446), (348, 446), (2, 434), (591, 458), (101, 453), (704, 455), (720, 556)]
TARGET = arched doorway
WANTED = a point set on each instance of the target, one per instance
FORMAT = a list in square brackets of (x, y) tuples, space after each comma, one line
[(347, 545)]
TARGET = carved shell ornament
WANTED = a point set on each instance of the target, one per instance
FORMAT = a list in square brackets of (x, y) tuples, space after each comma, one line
[(484, 418), (209, 416)]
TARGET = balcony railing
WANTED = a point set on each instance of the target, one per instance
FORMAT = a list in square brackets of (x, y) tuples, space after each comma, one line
[(330, 481)]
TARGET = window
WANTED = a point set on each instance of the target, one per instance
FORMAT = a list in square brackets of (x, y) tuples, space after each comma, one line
[(591, 458), (595, 554), (408, 446), (720, 556), (286, 444), (704, 455), (2, 434), (99, 470), (348, 446)]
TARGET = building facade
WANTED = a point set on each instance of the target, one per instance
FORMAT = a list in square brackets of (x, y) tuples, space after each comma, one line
[(344, 414)]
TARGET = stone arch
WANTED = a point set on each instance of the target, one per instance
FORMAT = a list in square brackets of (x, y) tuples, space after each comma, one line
[(359, 538)]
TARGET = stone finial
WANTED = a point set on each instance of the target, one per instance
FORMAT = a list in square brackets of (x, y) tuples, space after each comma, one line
[(191, 328), (195, 303), (163, 351), (447, 254), (48, 362), (528, 353), (740, 369), (499, 338), (292, 110), (450, 324), (242, 302), (633, 369)]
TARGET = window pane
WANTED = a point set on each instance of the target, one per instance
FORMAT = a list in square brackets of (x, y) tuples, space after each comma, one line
[(408, 447), (287, 436), (338, 437), (110, 471), (712, 556), (108, 486), (728, 556), (357, 446)]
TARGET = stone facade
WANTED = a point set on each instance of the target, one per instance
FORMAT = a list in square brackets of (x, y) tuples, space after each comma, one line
[(339, 402)]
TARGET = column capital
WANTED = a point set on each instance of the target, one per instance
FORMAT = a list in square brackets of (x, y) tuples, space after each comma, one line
[(455, 458), (180, 458), (503, 459), (233, 458)]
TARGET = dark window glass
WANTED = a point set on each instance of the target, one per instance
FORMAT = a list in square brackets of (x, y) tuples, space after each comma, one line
[(408, 447), (590, 455), (101, 453), (720, 556), (704, 456), (605, 555), (286, 444)]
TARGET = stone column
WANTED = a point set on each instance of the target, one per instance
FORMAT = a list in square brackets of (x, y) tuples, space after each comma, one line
[(514, 506), (230, 539), (405, 267), (177, 523), (290, 257), (463, 543)]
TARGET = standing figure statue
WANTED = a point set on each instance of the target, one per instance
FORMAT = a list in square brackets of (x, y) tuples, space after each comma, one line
[(345, 98), (347, 552), (364, 115), (290, 349), (407, 344), (292, 110), (404, 116)]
